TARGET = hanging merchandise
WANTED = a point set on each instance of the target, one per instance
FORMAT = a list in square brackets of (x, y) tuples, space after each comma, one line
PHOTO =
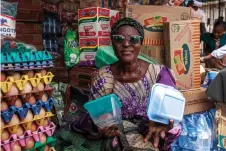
[(71, 49), (8, 18)]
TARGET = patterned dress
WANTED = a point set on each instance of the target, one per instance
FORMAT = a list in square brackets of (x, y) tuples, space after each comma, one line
[(134, 96)]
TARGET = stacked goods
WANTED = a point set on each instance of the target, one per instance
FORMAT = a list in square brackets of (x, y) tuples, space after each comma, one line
[(94, 31), (26, 99), (152, 19), (182, 50)]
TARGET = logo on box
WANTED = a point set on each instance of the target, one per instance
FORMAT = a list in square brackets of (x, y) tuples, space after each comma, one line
[(155, 24), (182, 59)]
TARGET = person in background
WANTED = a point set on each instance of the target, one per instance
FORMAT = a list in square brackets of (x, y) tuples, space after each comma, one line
[(213, 41), (198, 13), (131, 79), (218, 54)]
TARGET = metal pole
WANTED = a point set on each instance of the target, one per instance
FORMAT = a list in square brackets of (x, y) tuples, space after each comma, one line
[(219, 9)]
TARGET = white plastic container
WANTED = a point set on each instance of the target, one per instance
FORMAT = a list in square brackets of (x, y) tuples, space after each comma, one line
[(165, 103)]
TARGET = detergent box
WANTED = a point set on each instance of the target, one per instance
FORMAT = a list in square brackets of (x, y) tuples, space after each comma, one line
[(182, 52), (153, 17), (89, 47), (96, 21)]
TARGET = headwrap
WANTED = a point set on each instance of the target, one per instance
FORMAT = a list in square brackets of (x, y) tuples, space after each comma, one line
[(130, 22)]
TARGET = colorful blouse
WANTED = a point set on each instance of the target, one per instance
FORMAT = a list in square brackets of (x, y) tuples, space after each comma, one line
[(134, 96)]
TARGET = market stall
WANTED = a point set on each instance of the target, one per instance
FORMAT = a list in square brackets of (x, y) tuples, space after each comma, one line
[(53, 50)]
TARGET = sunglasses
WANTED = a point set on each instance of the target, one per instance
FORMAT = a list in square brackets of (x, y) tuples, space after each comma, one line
[(120, 39)]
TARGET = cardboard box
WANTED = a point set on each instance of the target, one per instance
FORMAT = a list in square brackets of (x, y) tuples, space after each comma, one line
[(28, 28), (154, 52), (111, 4), (222, 132), (81, 77), (96, 21), (89, 47), (196, 101), (153, 17), (182, 52)]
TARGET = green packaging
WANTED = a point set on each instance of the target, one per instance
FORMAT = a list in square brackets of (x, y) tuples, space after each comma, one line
[(71, 49)]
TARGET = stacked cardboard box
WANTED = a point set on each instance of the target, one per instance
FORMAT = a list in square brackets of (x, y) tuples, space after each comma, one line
[(152, 19), (94, 31), (182, 55), (182, 50)]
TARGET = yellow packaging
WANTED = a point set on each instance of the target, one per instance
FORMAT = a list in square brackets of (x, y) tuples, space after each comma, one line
[(182, 52), (222, 132), (153, 17)]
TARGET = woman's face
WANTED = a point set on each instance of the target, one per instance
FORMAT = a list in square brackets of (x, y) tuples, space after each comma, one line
[(218, 31), (126, 43)]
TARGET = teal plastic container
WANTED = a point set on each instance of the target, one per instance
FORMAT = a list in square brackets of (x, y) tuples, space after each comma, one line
[(105, 111)]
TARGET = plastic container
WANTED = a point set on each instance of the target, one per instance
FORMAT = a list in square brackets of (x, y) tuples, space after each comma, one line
[(105, 111), (212, 75), (165, 103)]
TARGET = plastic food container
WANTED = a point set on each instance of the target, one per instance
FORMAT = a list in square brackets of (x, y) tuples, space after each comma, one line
[(165, 103), (105, 111), (212, 75)]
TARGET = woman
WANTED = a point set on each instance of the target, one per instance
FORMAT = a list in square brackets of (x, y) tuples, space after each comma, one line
[(214, 41), (131, 79)]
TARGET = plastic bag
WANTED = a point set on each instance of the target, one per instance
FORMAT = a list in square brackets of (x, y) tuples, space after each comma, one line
[(8, 18), (198, 132), (71, 49)]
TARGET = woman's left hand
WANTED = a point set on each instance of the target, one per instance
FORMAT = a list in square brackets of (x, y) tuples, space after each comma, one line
[(157, 130)]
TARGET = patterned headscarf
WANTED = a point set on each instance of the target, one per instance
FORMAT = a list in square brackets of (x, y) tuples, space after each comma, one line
[(130, 22)]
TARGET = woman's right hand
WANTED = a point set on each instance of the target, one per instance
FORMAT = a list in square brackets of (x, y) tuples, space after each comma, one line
[(110, 131)]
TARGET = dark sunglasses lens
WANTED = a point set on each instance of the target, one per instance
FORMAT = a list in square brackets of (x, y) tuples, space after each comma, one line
[(118, 39), (135, 39)]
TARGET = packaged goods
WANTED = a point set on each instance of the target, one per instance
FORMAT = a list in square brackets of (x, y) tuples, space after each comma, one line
[(182, 52), (71, 49), (222, 132), (96, 21), (111, 4), (89, 47), (198, 131), (8, 18), (153, 17)]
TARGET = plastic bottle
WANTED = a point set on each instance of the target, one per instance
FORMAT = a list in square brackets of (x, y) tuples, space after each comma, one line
[(45, 26), (50, 26), (203, 136), (183, 139), (55, 45)]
